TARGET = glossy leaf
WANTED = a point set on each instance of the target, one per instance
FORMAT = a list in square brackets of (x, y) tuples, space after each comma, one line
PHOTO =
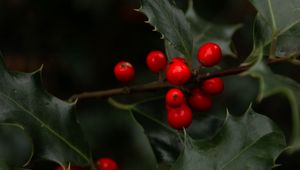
[(5, 166), (170, 22), (166, 142), (279, 22), (271, 84), (280, 16), (204, 31), (49, 121), (151, 116), (251, 141), (259, 39), (15, 145)]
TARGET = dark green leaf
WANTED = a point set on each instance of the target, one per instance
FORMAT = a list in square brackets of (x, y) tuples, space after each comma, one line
[(15, 145), (171, 51), (271, 84), (204, 31), (279, 22), (288, 44), (259, 38), (170, 22), (49, 121), (248, 142), (279, 16), (166, 142), (5, 166)]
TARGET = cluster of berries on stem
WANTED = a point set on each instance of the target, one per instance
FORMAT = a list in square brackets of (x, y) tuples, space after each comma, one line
[(178, 73)]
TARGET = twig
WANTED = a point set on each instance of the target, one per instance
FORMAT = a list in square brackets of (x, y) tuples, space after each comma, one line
[(157, 85), (152, 86)]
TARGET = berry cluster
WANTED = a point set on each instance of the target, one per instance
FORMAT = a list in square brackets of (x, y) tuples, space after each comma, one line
[(102, 164), (178, 73)]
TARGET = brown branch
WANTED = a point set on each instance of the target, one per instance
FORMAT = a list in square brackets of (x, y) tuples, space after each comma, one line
[(157, 85), (152, 86)]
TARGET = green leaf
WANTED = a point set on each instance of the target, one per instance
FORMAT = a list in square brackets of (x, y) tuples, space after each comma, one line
[(5, 166), (259, 38), (150, 115), (170, 22), (171, 52), (288, 44), (251, 141), (280, 16), (277, 22), (204, 31), (271, 84), (15, 144), (166, 142), (49, 121)]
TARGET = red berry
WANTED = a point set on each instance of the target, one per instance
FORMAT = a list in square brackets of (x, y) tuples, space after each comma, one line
[(156, 61), (175, 97), (213, 86), (178, 73), (178, 59), (59, 168), (71, 168), (199, 100), (107, 164), (180, 117), (124, 71), (209, 54)]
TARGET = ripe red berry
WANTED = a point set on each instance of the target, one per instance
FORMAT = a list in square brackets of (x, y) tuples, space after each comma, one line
[(71, 168), (178, 59), (178, 73), (107, 164), (175, 97), (59, 168), (213, 86), (199, 100), (124, 71), (156, 61), (209, 54), (180, 117)]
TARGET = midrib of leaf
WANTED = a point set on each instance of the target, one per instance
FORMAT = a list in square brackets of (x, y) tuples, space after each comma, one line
[(153, 119), (243, 151), (180, 37), (207, 27), (133, 107), (44, 125), (274, 25), (288, 27), (171, 19)]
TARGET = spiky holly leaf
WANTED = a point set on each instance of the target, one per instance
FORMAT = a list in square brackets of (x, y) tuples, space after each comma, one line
[(170, 22), (49, 121), (166, 142), (271, 84), (251, 141), (279, 22), (150, 115)]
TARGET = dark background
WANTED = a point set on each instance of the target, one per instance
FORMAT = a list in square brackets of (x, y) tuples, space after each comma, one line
[(79, 42)]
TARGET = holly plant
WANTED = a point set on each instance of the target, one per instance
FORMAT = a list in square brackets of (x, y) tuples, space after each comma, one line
[(188, 114)]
